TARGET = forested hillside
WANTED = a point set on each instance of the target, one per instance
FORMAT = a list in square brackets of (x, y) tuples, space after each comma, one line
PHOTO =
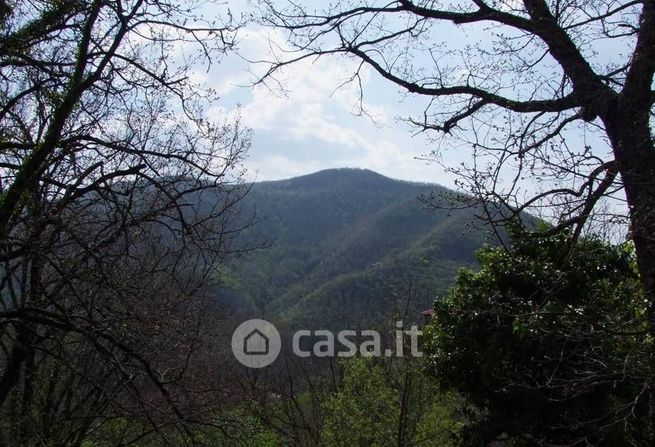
[(347, 246)]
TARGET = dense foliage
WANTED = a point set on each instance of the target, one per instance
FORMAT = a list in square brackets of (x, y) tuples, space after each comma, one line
[(390, 404), (546, 341)]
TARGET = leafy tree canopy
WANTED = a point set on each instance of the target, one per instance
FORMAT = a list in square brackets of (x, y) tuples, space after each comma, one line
[(546, 339)]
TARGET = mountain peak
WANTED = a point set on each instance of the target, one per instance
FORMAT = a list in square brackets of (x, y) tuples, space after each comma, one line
[(338, 236), (336, 179), (341, 174)]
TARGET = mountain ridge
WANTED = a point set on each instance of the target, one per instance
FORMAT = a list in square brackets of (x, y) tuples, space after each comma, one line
[(346, 242), (361, 173)]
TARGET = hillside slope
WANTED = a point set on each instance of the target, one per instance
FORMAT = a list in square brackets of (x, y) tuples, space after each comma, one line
[(347, 247)]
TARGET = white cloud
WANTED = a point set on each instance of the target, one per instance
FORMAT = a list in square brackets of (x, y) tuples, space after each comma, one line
[(316, 115)]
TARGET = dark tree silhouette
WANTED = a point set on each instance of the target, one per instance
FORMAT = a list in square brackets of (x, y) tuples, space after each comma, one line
[(118, 195)]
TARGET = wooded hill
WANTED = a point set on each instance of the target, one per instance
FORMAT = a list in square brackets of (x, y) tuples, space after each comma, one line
[(347, 247)]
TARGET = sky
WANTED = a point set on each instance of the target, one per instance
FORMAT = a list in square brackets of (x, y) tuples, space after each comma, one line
[(315, 124)]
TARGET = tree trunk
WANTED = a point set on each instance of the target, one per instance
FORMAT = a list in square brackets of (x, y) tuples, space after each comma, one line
[(634, 150), (19, 353)]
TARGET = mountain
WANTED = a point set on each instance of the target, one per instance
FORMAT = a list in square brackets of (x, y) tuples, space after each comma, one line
[(347, 247)]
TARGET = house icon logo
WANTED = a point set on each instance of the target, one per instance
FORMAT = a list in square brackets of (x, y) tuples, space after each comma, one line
[(256, 343)]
